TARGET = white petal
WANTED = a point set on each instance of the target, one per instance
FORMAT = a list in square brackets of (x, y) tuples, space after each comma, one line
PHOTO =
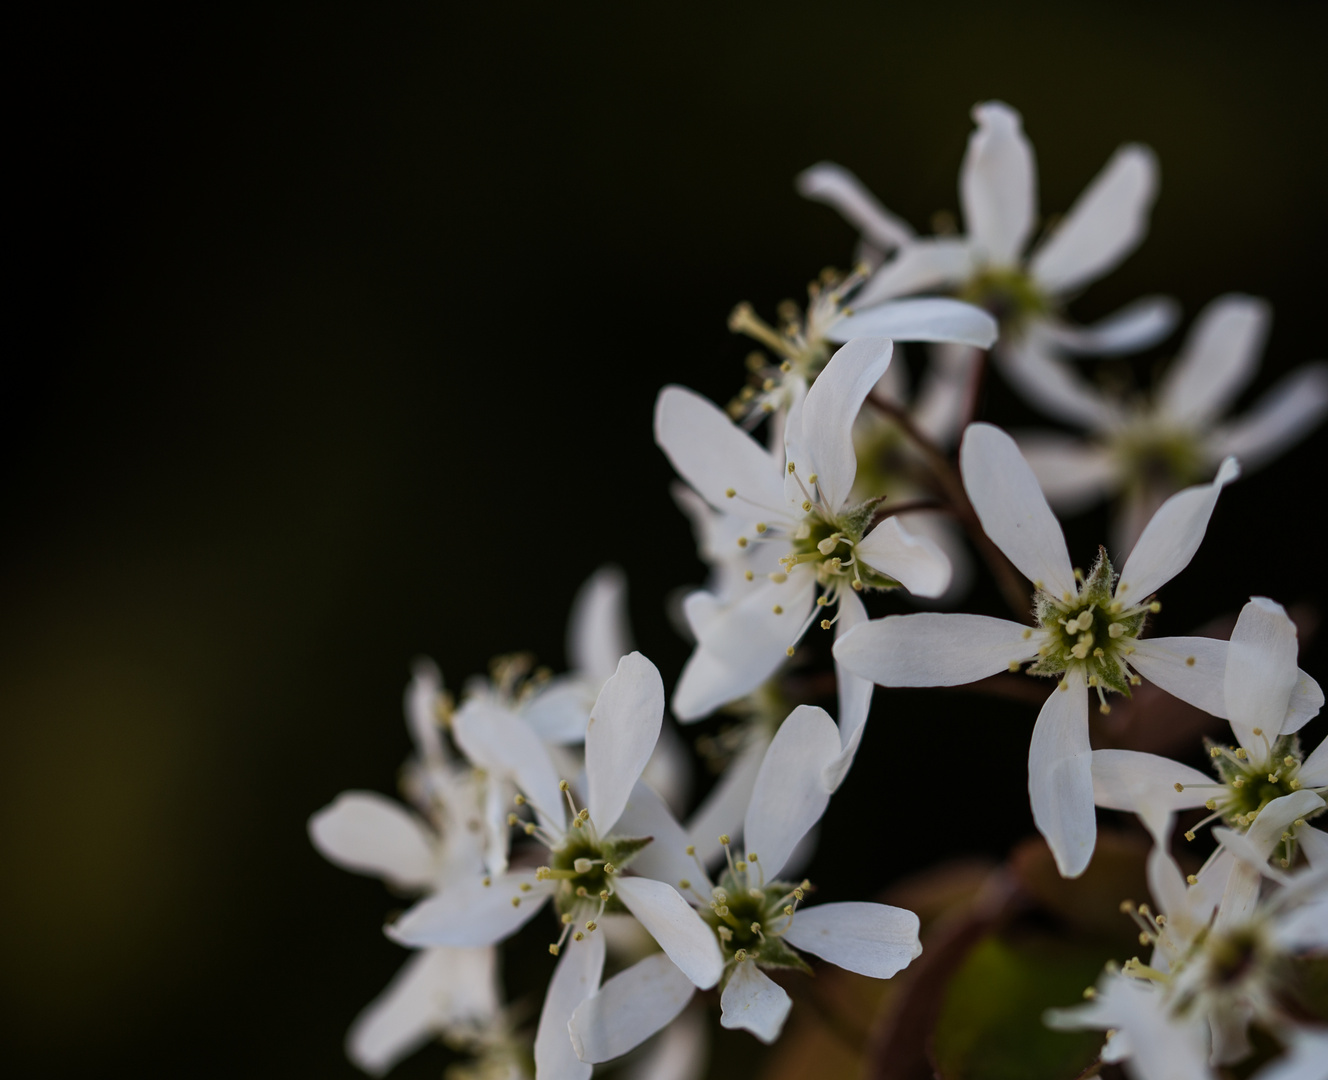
[(672, 922), (1073, 474), (1170, 540), (714, 455), (1276, 818), (708, 682), (790, 794), (421, 700), (1303, 1060), (722, 811), (1013, 511), (755, 1002), (933, 650), (624, 727), (925, 319), (998, 184), (468, 912), (1145, 784), (1220, 356), (826, 182), (941, 404), (916, 562), (369, 834), (629, 1008), (597, 632), (1314, 769), (1060, 776), (875, 940), (1104, 225), (823, 442), (919, 266), (665, 858), (1166, 883), (560, 712), (505, 745), (855, 694), (1189, 668), (1314, 842), (1286, 413), (680, 1052), (670, 769), (575, 978), (1029, 364), (1261, 670), (1138, 325)]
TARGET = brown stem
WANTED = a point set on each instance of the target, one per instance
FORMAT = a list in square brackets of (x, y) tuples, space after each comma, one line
[(976, 384), (905, 508), (951, 487)]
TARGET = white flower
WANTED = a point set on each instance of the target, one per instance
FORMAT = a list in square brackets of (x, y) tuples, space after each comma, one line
[(1145, 451), (1086, 631), (755, 917), (809, 547), (588, 853)]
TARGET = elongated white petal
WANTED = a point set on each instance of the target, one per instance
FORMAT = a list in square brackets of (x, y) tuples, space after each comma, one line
[(1261, 670), (790, 794), (714, 455), (755, 1002), (723, 810), (1292, 408), (1314, 842), (367, 833), (1220, 356), (420, 705), (624, 727), (1314, 769), (665, 858), (679, 1053), (629, 1008), (469, 912), (834, 185), (1073, 474), (998, 184), (855, 694), (1189, 668), (672, 922), (915, 561), (1013, 511), (947, 386), (598, 635), (1275, 818), (926, 319), (575, 978), (505, 745), (1166, 883), (1138, 325), (1170, 540), (824, 445), (1145, 784), (1104, 225), (1060, 776), (876, 940), (1029, 364), (1303, 1059), (918, 266), (929, 649), (560, 712)]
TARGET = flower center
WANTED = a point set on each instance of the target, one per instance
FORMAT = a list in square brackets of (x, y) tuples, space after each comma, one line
[(1159, 456), (1009, 295), (750, 915)]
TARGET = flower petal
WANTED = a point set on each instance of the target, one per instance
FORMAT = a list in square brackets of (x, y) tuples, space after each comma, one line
[(919, 265), (680, 1052), (597, 632), (1220, 356), (665, 858), (1303, 1060), (947, 386), (1189, 668), (755, 1002), (1314, 769), (1171, 538), (1105, 224), (560, 712), (1138, 325), (855, 694), (624, 727), (930, 318), (1029, 364), (1060, 776), (875, 940), (470, 912), (998, 184), (714, 455), (822, 444), (826, 182), (369, 834), (1012, 509), (930, 649), (1073, 474), (790, 794), (722, 811), (1314, 842), (505, 745), (1261, 671), (672, 922), (629, 1008), (575, 979), (916, 562), (1145, 784), (1285, 414), (421, 700)]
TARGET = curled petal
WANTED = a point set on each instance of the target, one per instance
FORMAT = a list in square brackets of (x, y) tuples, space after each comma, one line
[(998, 184), (926, 319), (1136, 326), (920, 265), (1220, 356), (574, 980), (826, 182), (915, 561), (624, 727), (1261, 670), (1060, 776)]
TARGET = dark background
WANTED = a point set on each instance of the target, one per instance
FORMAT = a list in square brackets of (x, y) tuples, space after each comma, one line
[(337, 333)]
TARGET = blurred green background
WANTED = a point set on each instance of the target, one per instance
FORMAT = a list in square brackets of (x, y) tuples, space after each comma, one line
[(339, 330)]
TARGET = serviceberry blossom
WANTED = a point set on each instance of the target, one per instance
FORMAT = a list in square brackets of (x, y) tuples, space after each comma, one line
[(1087, 630), (809, 547), (755, 916), (1143, 450)]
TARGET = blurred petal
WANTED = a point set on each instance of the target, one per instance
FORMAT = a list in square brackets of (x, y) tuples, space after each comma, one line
[(679, 1053), (1105, 224), (1189, 668), (1220, 356), (665, 858), (930, 649), (755, 1002), (471, 912), (370, 834), (560, 711), (1284, 415), (1050, 384), (505, 745), (1145, 784), (1073, 474), (672, 922), (421, 700), (926, 319), (1012, 509), (1303, 1060), (916, 562), (1261, 670), (826, 182), (919, 266), (998, 184), (597, 632), (1314, 769), (1060, 776), (947, 385), (624, 727), (875, 940), (723, 810), (1138, 325), (575, 978), (855, 694), (629, 1008)]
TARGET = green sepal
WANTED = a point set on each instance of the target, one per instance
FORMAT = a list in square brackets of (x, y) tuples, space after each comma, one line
[(621, 850), (773, 953)]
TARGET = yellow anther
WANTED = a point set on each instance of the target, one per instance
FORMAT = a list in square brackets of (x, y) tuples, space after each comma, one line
[(578, 936), (857, 586), (1028, 634), (1189, 835), (520, 800), (553, 949), (761, 526), (1154, 607), (742, 541), (1242, 753), (1288, 761), (529, 828), (740, 955), (825, 624), (777, 610), (821, 601), (1238, 782), (788, 910), (525, 885), (777, 577), (516, 901), (812, 479), (1089, 993), (1064, 684), (604, 894), (723, 838), (1273, 778), (512, 819), (1211, 804), (609, 868), (1145, 939), (1179, 786), (1126, 906), (806, 506), (1258, 731), (1299, 823), (563, 785), (1115, 630), (789, 651), (1135, 680), (590, 925), (1294, 785), (797, 894), (1189, 661), (790, 467), (756, 927), (486, 882), (729, 493), (566, 919), (1013, 666), (1215, 752), (1104, 709), (690, 849), (748, 575), (1191, 879)]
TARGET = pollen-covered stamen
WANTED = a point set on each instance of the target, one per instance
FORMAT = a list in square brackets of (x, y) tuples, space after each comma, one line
[(750, 915), (1251, 780)]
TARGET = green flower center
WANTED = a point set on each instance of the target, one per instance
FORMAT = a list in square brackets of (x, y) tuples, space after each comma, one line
[(751, 916), (1009, 295), (1165, 457)]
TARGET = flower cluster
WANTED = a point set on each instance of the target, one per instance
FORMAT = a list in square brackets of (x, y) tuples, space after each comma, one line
[(823, 494)]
